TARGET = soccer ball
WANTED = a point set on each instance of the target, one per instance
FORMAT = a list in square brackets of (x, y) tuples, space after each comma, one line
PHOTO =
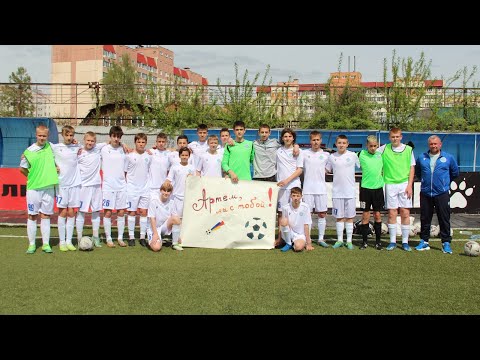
[(415, 229), (472, 248), (434, 230), (384, 228), (255, 228), (85, 244)]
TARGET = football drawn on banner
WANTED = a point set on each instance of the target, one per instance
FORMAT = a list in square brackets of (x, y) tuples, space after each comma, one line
[(218, 214)]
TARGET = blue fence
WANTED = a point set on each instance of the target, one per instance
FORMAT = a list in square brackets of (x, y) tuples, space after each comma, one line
[(17, 134), (463, 146)]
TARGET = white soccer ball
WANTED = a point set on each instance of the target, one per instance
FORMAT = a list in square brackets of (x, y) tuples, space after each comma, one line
[(85, 244), (434, 230), (256, 228), (415, 229), (384, 228), (472, 248)]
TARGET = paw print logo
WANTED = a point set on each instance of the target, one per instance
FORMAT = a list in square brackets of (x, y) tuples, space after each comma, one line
[(459, 194)]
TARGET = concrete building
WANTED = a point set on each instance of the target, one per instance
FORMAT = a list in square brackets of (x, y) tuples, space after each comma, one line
[(77, 69)]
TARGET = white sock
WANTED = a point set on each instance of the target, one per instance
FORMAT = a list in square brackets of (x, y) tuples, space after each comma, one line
[(322, 224), (80, 222), (340, 225), (61, 229), (392, 231), (31, 231), (349, 231), (45, 229), (175, 234), (70, 226), (131, 226), (120, 226), (405, 233), (96, 223), (143, 226), (286, 234), (107, 227)]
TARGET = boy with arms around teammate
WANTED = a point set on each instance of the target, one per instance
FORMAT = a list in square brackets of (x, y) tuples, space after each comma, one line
[(314, 185), (237, 159), (38, 165), (210, 162), (295, 223), (371, 191), (158, 170), (342, 165)]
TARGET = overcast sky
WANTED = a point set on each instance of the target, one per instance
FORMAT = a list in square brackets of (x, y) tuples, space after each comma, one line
[(308, 63)]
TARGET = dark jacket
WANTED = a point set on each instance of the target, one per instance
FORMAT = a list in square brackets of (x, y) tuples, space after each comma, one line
[(438, 183)]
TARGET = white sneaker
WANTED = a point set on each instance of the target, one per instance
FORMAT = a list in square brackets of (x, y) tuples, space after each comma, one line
[(177, 247)]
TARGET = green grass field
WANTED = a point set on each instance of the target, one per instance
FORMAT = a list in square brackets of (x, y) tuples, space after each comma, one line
[(206, 281)]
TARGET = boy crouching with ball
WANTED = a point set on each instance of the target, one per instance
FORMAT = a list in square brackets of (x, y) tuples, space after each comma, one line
[(295, 223), (163, 220)]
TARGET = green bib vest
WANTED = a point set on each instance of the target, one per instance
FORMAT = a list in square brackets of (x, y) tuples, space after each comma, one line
[(396, 165), (372, 166), (42, 172)]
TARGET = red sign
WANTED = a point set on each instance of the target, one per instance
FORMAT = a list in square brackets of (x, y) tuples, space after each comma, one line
[(13, 189)]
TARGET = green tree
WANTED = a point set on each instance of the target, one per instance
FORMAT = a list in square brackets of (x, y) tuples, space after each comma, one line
[(17, 99), (118, 85)]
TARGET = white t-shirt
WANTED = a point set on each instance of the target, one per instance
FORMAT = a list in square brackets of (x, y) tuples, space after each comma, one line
[(114, 166), (297, 218), (343, 168), (287, 164), (400, 148), (178, 175), (210, 164), (314, 171), (160, 210), (66, 158), (89, 163), (198, 147), (158, 168), (138, 167)]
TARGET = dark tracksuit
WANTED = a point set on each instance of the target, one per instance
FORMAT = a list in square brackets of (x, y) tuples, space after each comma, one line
[(434, 192)]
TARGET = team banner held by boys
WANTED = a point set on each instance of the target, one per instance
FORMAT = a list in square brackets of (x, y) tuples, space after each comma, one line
[(221, 215)]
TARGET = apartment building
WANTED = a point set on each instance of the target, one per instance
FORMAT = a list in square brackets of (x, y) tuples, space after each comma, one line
[(76, 67)]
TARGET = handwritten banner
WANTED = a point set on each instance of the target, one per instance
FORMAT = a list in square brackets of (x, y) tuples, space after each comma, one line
[(221, 215)]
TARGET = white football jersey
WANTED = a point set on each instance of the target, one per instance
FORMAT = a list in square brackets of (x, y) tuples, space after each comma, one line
[(160, 210), (158, 168), (89, 163), (66, 158), (138, 167), (314, 172), (210, 164), (343, 168), (297, 218), (178, 176), (287, 164), (114, 166)]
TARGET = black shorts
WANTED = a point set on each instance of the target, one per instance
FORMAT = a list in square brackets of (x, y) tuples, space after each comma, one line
[(372, 198), (271, 178)]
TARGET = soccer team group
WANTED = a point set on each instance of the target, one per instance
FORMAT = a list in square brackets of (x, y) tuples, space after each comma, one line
[(151, 183)]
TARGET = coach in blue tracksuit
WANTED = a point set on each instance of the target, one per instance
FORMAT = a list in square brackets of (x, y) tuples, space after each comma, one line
[(436, 169)]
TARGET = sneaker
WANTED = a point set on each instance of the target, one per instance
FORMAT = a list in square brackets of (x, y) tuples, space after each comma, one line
[(63, 247), (121, 243), (31, 249), (131, 242), (337, 244), (422, 246), (177, 247), (110, 244), (378, 246), (406, 247), (286, 248), (71, 247), (364, 246), (96, 241), (446, 248), (349, 246), (47, 249), (143, 242), (391, 246), (322, 243)]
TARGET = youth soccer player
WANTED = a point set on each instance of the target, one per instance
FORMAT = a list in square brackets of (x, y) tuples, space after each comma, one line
[(210, 162), (160, 164), (342, 165), (114, 189), (38, 165), (178, 176), (314, 185), (295, 223), (163, 221), (371, 190), (138, 188), (174, 158), (398, 173), (69, 185)]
